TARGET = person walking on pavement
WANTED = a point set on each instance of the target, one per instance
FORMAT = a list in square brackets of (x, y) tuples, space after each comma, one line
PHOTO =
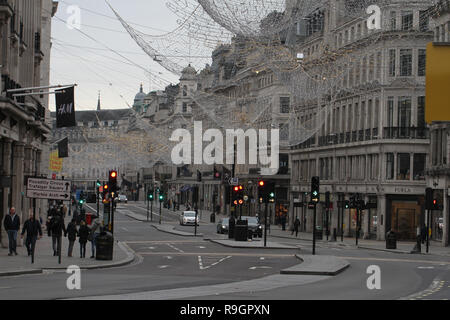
[(71, 235), (296, 226), (57, 228), (95, 231), (83, 234), (12, 226), (33, 229)]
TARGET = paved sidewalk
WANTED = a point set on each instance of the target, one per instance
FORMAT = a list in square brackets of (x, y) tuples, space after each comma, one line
[(404, 247), (44, 259)]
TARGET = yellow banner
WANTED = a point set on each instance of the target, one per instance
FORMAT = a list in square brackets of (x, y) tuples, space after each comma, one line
[(437, 97), (55, 162)]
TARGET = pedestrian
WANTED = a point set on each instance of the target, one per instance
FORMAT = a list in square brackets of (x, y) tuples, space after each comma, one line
[(71, 235), (12, 226), (64, 210), (296, 226), (57, 228), (83, 234), (424, 234), (283, 222), (95, 231), (33, 229)]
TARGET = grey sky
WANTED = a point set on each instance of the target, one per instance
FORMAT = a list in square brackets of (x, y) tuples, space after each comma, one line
[(75, 61)]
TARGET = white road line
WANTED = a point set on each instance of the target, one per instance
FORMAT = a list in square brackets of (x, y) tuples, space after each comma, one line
[(5, 288), (163, 267), (175, 248), (125, 229), (200, 262)]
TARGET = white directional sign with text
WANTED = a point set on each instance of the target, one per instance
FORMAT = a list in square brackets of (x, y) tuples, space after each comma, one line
[(48, 189)]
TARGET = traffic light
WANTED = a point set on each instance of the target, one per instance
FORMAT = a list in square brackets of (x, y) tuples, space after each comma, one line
[(217, 174), (105, 192), (199, 176), (150, 195), (161, 198), (98, 184), (352, 204), (347, 204), (272, 197), (429, 199), (315, 193), (113, 180)]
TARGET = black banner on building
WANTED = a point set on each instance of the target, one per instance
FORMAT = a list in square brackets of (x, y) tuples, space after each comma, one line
[(63, 148), (65, 108)]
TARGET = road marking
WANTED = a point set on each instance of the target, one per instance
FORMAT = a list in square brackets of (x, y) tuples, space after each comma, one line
[(262, 267), (175, 248), (163, 241), (169, 257), (202, 247), (5, 288), (234, 254), (262, 258), (200, 262), (425, 267), (125, 229), (163, 267)]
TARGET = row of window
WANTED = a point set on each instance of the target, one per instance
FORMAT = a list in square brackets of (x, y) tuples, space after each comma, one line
[(403, 67), (399, 166), (364, 115)]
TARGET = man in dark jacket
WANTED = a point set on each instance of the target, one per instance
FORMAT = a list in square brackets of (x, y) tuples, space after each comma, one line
[(57, 228), (33, 229), (83, 236), (12, 226), (71, 235)]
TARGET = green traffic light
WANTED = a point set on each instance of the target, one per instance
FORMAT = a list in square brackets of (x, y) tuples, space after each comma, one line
[(272, 195)]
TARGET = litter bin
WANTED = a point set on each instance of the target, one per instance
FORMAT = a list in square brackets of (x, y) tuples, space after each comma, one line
[(241, 230), (212, 218), (319, 233), (391, 240), (104, 246), (250, 234)]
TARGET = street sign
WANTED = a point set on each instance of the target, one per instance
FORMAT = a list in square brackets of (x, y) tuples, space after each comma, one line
[(48, 189), (234, 181)]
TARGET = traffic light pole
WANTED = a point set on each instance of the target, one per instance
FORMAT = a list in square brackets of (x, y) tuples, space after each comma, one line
[(428, 230), (314, 230), (98, 202), (357, 225), (160, 203), (327, 222), (148, 204), (265, 225), (151, 211)]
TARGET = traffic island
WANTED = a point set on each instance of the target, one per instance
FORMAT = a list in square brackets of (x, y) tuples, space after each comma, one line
[(318, 265), (259, 244)]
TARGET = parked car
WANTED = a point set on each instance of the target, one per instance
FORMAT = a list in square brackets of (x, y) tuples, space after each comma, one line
[(122, 198), (254, 226), (222, 226), (188, 218)]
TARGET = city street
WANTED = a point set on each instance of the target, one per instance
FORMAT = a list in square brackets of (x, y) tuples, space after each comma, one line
[(166, 265)]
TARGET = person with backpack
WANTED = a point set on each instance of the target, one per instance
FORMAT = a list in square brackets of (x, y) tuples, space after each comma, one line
[(71, 235), (83, 234), (57, 228)]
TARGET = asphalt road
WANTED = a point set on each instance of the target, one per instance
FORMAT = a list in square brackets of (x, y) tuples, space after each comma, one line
[(169, 263)]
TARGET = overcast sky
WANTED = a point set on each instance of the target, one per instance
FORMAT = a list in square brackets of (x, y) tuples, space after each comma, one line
[(78, 59)]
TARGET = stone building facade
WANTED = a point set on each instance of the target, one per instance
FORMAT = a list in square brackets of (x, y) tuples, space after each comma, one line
[(374, 141), (24, 129)]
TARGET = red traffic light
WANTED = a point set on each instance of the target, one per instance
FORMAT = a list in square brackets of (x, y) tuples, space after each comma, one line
[(105, 187), (434, 201), (261, 183), (113, 174), (236, 189)]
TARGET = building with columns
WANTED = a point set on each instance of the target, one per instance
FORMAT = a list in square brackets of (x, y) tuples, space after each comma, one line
[(374, 141), (24, 129), (438, 166)]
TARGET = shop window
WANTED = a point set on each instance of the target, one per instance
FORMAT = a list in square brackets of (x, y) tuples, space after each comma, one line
[(403, 166), (419, 166)]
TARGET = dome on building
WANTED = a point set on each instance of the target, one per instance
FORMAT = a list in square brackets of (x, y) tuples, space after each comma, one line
[(140, 96), (188, 73)]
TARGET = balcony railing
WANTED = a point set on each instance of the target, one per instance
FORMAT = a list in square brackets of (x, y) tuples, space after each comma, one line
[(406, 133)]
